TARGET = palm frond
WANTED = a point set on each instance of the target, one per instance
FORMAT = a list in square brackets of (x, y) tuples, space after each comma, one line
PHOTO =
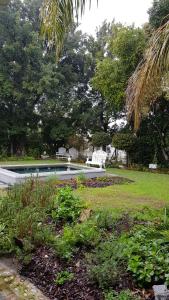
[(57, 16), (145, 85)]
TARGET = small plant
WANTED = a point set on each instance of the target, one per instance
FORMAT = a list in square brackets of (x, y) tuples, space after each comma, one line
[(106, 265), (67, 206), (105, 219), (6, 243), (80, 180), (84, 234), (147, 253), (63, 277), (124, 295)]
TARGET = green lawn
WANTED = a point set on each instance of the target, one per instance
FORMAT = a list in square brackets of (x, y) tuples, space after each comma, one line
[(34, 161), (148, 189)]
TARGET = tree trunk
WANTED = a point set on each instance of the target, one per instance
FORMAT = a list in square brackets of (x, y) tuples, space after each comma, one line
[(11, 148)]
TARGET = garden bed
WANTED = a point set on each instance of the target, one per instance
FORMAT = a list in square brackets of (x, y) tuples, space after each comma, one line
[(45, 266), (70, 252), (98, 182)]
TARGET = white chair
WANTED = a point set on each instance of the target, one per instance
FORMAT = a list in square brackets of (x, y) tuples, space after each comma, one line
[(98, 159), (62, 154)]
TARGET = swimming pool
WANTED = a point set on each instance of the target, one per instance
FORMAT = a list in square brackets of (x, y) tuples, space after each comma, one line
[(12, 174)]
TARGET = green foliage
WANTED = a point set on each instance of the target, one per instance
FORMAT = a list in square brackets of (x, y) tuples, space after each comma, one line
[(105, 219), (125, 47), (109, 82), (6, 245), (124, 295), (147, 253), (106, 264), (22, 214), (67, 206), (158, 12), (128, 45), (124, 141), (63, 276), (16, 158), (101, 139), (85, 234)]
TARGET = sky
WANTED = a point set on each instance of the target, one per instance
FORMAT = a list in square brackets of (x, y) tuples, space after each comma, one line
[(124, 11)]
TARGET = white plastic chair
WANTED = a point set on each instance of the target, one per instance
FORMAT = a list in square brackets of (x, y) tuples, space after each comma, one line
[(98, 158)]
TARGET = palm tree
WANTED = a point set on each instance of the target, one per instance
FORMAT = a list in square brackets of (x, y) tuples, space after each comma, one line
[(149, 79), (57, 16)]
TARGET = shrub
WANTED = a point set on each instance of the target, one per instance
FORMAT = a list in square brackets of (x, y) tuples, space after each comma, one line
[(106, 265), (85, 234), (23, 212), (68, 207), (124, 141), (6, 245), (124, 295), (105, 219), (147, 253), (100, 139)]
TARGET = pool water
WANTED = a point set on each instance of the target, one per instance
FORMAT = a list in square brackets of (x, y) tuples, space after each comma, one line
[(41, 169)]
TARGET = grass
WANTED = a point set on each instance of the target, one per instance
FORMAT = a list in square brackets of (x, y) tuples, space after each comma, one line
[(33, 161), (147, 190)]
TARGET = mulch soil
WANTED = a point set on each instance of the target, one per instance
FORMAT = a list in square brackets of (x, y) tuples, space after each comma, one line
[(43, 269), (45, 265)]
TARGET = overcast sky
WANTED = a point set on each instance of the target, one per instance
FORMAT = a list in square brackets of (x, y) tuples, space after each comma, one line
[(124, 11)]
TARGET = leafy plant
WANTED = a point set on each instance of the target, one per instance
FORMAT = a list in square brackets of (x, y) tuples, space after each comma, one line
[(84, 234), (63, 276), (6, 244), (106, 265), (80, 179), (22, 214), (105, 219), (147, 253), (124, 295), (100, 139), (68, 207)]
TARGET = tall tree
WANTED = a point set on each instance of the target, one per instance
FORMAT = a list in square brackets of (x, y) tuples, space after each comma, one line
[(158, 13), (20, 69), (124, 50)]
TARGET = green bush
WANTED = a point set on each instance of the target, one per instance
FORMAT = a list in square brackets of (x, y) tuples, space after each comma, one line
[(106, 265), (100, 139), (22, 215), (14, 158), (6, 244), (68, 207), (124, 141), (124, 295), (105, 219), (85, 234), (147, 253)]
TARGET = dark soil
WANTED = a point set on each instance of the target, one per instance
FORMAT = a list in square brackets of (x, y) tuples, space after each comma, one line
[(43, 269), (99, 182)]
